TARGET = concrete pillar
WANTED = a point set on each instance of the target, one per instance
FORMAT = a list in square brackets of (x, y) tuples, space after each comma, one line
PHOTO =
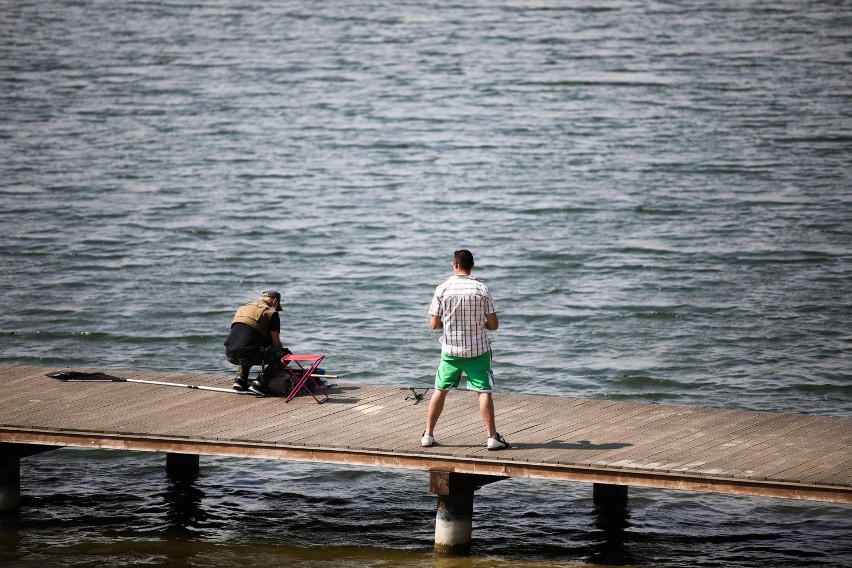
[(182, 467), (454, 519), (10, 484), (605, 495), (454, 523)]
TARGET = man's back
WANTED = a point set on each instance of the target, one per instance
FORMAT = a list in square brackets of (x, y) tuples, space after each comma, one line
[(463, 304)]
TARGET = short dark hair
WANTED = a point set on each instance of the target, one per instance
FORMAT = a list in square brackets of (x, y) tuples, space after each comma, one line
[(464, 258)]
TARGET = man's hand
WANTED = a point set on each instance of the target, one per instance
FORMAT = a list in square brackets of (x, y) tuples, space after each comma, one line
[(491, 322)]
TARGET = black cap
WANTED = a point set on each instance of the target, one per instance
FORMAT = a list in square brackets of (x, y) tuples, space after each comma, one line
[(275, 295)]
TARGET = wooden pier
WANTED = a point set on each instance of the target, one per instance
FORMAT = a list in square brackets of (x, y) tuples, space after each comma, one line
[(608, 443)]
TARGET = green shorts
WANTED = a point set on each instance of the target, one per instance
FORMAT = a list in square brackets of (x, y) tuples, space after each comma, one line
[(478, 370)]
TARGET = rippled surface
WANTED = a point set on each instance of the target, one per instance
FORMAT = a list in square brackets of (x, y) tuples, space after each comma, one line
[(657, 194)]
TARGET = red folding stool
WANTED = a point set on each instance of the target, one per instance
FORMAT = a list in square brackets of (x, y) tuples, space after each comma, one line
[(303, 376)]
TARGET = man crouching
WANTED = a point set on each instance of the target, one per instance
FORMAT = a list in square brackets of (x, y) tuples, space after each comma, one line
[(255, 339)]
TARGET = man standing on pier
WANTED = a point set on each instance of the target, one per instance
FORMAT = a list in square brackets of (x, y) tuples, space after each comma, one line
[(463, 308), (255, 339)]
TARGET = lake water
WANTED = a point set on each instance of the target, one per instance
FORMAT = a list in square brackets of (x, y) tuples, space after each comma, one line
[(657, 194)]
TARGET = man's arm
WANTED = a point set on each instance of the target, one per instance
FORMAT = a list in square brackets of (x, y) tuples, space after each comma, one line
[(276, 339), (491, 322), (437, 323)]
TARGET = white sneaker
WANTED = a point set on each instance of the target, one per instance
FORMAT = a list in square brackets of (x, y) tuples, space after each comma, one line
[(427, 441), (497, 443)]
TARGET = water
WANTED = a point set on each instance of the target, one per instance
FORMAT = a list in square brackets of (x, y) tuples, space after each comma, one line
[(656, 192)]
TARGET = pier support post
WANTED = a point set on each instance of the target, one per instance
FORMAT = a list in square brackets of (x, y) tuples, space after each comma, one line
[(10, 473), (612, 520), (606, 495), (10, 484), (454, 519), (182, 467)]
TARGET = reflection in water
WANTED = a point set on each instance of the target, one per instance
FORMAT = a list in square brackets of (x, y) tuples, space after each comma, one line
[(184, 514), (610, 547)]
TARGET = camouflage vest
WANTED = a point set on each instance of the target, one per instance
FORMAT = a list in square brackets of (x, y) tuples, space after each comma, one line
[(257, 315)]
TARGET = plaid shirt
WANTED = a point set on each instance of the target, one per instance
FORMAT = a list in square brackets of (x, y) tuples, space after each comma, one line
[(462, 303)]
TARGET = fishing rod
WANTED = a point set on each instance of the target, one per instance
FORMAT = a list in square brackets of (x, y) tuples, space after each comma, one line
[(212, 370), (84, 377)]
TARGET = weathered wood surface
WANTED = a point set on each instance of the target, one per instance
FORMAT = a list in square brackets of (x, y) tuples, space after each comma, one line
[(651, 445)]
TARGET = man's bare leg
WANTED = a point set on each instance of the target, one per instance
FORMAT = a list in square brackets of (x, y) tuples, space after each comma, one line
[(486, 408), (436, 407)]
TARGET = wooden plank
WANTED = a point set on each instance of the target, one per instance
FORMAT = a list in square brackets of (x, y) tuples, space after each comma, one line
[(19, 409), (185, 414), (20, 376), (301, 411), (400, 428), (540, 429), (236, 431), (368, 418), (538, 439), (118, 411), (724, 452), (744, 452), (401, 431), (814, 463), (695, 449), (201, 424), (797, 448), (633, 423), (837, 473), (357, 433), (531, 443), (797, 435), (531, 412), (666, 434), (50, 404), (624, 423)]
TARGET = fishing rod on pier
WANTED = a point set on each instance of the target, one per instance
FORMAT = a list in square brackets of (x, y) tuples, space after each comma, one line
[(161, 368), (97, 377), (85, 377)]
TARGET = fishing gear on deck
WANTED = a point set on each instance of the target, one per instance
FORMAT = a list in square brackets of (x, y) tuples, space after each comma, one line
[(82, 376), (417, 396)]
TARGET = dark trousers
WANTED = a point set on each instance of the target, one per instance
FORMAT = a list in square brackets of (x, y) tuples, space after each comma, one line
[(247, 358)]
